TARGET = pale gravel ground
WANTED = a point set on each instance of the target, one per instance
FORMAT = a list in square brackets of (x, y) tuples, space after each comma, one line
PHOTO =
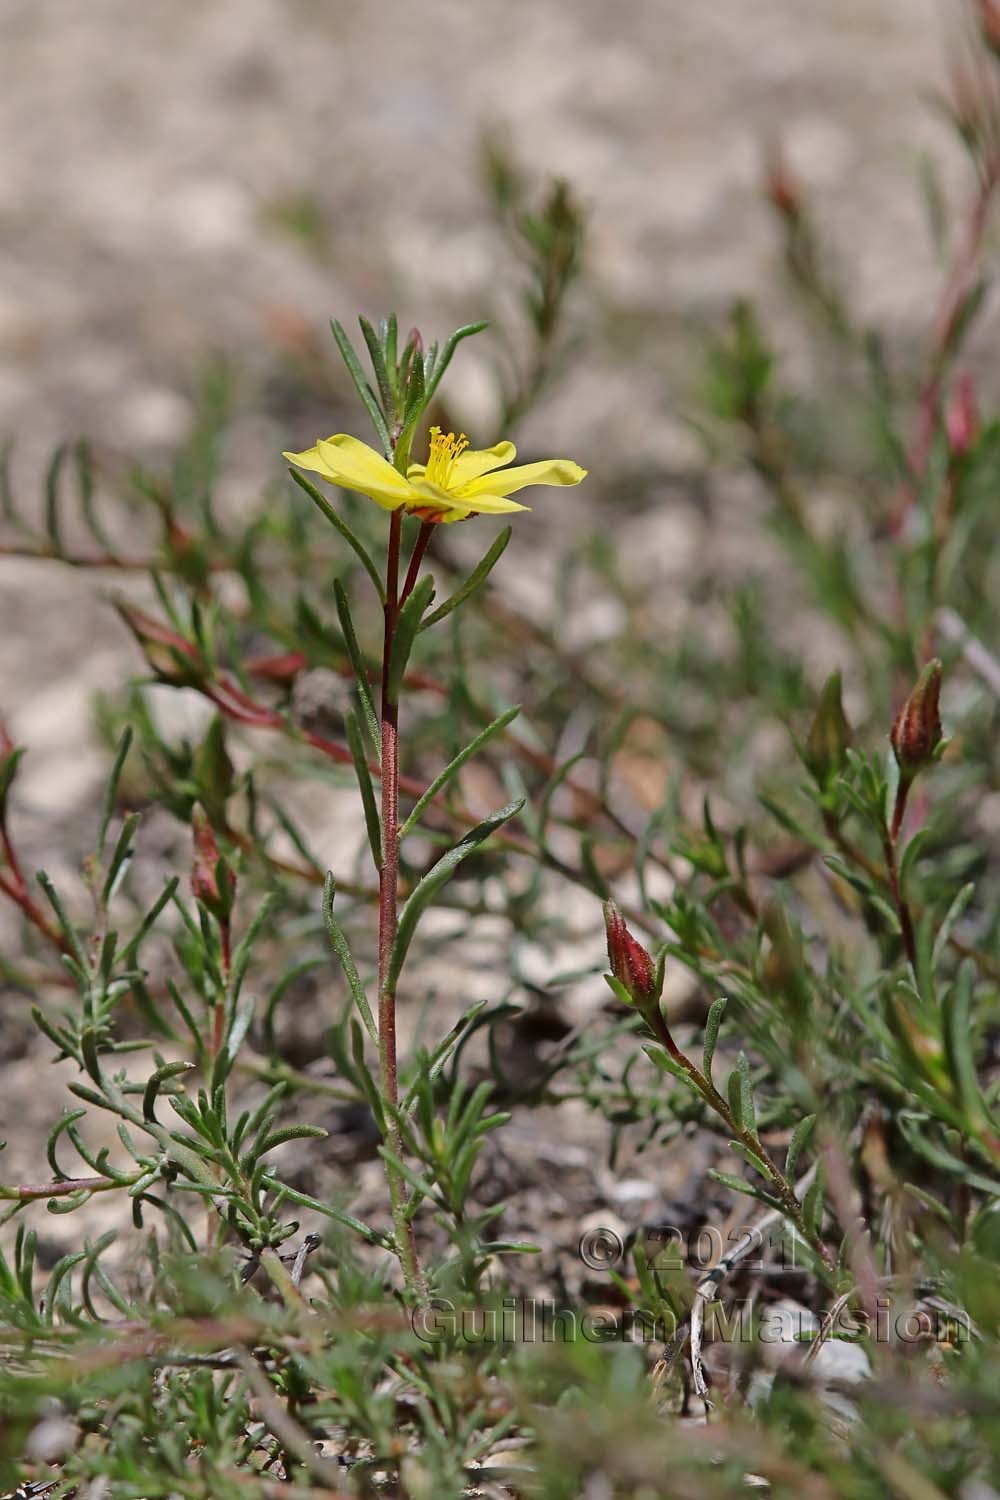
[(144, 147)]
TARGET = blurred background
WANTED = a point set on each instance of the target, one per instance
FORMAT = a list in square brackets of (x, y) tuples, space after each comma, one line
[(181, 179)]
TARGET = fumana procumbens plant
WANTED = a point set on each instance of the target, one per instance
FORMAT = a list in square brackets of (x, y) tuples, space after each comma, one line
[(794, 1076)]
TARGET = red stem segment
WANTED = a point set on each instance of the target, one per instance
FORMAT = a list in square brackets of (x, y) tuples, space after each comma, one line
[(14, 885), (416, 558), (387, 910)]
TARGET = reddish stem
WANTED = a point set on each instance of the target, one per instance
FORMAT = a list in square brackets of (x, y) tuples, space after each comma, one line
[(953, 300), (389, 876), (388, 920), (15, 886), (416, 558), (28, 1191), (889, 837)]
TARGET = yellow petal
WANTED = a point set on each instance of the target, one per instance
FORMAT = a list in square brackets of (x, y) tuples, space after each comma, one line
[(346, 461), (423, 492), (309, 459), (487, 505), (476, 461), (557, 471)]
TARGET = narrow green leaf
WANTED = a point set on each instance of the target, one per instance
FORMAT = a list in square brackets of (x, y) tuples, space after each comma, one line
[(661, 1059), (343, 952), (439, 1056), (8, 769), (454, 766), (336, 520), (812, 1206), (734, 1091), (111, 790), (120, 859), (53, 521), (960, 1041), (290, 1133), (58, 1036), (156, 1082), (389, 329), (747, 1113), (362, 1076), (362, 387), (437, 877), (83, 458), (407, 626), (65, 925), (752, 1159), (800, 1139), (476, 578), (379, 365), (372, 821), (362, 683), (423, 1187), (737, 1185), (451, 344), (69, 1118), (951, 918), (292, 1195), (7, 507), (712, 1023), (416, 403), (241, 958), (241, 1024)]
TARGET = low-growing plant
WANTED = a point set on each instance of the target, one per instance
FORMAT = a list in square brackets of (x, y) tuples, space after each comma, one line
[(251, 1001)]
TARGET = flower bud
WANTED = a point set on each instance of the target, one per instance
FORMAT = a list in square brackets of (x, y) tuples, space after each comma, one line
[(631, 965), (829, 737), (171, 657), (989, 24), (961, 418), (916, 733), (212, 881), (781, 188)]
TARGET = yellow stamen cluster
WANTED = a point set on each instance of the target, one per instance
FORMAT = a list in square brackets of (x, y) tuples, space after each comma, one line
[(445, 448)]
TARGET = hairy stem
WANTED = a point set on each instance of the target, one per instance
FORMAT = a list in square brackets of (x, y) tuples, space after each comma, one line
[(387, 922)]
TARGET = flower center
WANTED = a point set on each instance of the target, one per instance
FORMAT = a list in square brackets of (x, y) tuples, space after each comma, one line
[(445, 448)]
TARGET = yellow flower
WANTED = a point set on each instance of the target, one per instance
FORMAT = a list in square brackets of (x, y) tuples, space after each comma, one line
[(455, 483)]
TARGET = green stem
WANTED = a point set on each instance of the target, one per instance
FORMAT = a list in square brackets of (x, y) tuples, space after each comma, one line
[(784, 1189)]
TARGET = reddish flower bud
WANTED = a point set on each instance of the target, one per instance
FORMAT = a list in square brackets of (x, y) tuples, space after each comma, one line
[(414, 338), (781, 188), (207, 867), (631, 965), (170, 656), (916, 733), (989, 24), (961, 418)]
